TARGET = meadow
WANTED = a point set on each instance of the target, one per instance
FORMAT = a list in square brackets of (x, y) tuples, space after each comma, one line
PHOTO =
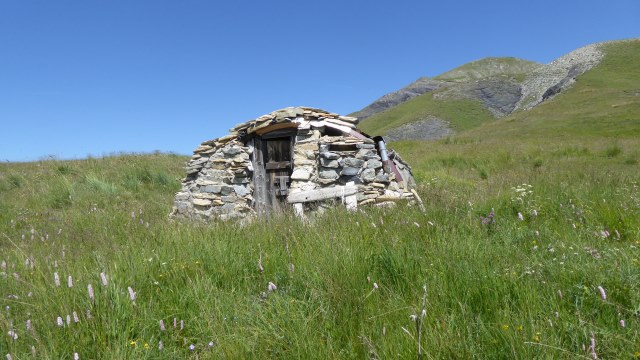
[(554, 271), (528, 247)]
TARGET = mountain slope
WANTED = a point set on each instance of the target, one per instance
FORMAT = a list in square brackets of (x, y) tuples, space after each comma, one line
[(501, 86)]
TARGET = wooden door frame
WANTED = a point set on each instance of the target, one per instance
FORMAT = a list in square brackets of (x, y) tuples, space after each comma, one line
[(262, 199)]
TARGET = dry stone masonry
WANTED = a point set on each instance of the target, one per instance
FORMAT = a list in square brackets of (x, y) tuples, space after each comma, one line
[(302, 157)]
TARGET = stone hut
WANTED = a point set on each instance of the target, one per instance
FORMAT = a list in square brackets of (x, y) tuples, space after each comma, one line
[(302, 157)]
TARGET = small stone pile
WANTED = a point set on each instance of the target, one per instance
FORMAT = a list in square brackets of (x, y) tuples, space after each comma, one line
[(332, 161)]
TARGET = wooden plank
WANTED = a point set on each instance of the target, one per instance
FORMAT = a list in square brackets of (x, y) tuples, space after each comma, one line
[(287, 125), (322, 194), (343, 123), (278, 165), (259, 179)]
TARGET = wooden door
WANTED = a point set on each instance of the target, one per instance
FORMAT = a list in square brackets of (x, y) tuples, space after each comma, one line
[(273, 165)]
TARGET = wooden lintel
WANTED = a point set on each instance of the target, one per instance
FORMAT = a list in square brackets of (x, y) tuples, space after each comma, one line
[(279, 126), (322, 194)]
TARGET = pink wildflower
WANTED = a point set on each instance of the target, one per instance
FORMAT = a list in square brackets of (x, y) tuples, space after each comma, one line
[(271, 286), (592, 347), (162, 328), (603, 294), (622, 323), (76, 319), (375, 286), (520, 216), (59, 321), (90, 291)]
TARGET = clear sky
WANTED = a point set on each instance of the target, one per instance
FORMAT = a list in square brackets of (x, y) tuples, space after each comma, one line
[(94, 77)]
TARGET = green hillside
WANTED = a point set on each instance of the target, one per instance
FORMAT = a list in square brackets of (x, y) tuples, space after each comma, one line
[(488, 67), (462, 114), (555, 268), (605, 102)]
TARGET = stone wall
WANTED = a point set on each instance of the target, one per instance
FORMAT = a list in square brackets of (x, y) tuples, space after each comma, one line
[(218, 183)]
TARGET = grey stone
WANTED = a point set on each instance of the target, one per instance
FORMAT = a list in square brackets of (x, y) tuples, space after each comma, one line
[(365, 154), (374, 164), (353, 162), (232, 151), (240, 190), (329, 174), (368, 175), (329, 163), (383, 178), (329, 155), (350, 171), (226, 190), (240, 180), (229, 198), (212, 189)]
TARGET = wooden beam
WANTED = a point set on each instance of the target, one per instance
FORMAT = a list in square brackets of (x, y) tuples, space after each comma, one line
[(270, 128), (322, 194)]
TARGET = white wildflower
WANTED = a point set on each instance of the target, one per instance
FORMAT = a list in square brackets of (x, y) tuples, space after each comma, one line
[(132, 294), (103, 278)]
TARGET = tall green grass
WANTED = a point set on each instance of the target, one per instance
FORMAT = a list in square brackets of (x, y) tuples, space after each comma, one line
[(348, 284)]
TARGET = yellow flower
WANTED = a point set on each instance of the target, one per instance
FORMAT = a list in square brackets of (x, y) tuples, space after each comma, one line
[(132, 343), (537, 337), (637, 354), (197, 262), (520, 328), (505, 327), (146, 345)]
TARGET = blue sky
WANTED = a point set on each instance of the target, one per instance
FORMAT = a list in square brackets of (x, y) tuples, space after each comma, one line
[(85, 77)]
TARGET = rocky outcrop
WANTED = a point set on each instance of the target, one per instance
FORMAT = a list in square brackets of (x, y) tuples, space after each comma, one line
[(555, 77), (421, 86)]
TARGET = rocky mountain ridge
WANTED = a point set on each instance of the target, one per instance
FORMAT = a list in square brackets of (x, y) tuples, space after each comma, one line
[(502, 85)]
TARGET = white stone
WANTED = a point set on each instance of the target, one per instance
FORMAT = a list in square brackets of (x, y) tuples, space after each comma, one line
[(300, 174)]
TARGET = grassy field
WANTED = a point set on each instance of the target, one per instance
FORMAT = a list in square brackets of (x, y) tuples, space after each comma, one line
[(553, 274)]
